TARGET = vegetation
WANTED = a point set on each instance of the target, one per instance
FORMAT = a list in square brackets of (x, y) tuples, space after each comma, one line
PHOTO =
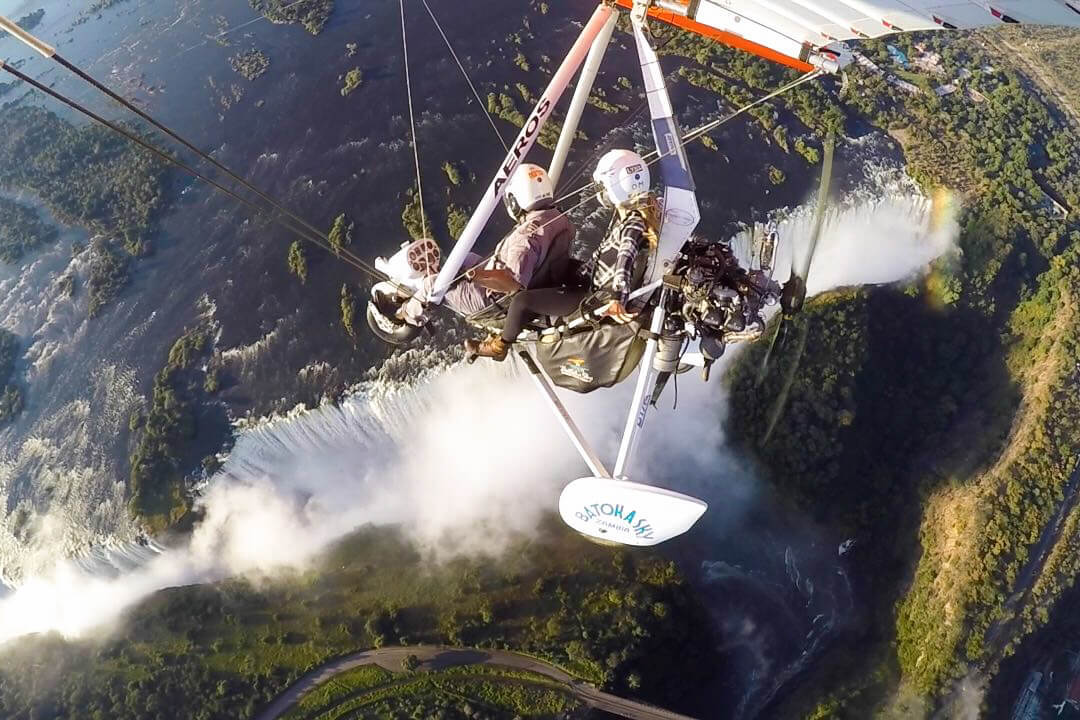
[(598, 99), (413, 216), (99, 5), (353, 80), (86, 175), (340, 235), (297, 260), (1049, 54), (503, 106), (341, 687), (453, 172), (312, 14), (108, 276), (158, 492), (223, 651), (348, 310), (456, 220), (937, 423), (11, 401), (477, 692), (90, 177), (27, 22), (250, 64), (21, 231)]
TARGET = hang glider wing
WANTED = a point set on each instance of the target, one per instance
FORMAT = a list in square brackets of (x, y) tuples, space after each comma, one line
[(805, 34)]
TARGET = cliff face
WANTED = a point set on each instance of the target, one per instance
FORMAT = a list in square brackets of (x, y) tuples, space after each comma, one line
[(938, 422)]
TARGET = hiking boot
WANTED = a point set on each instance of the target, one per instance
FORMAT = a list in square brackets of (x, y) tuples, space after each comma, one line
[(494, 347)]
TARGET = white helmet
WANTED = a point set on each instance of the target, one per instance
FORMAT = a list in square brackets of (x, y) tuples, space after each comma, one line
[(529, 188), (622, 174)]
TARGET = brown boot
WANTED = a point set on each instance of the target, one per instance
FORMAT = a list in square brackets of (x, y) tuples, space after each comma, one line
[(494, 347)]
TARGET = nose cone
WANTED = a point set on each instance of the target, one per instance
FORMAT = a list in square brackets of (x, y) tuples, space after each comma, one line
[(627, 513)]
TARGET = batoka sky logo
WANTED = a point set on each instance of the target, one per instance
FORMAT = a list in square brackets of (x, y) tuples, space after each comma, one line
[(614, 516), (626, 512), (575, 368)]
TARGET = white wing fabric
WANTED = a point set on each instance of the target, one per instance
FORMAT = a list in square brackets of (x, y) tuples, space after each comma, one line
[(802, 30)]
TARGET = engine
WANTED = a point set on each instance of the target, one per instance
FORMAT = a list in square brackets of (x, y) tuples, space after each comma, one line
[(721, 301)]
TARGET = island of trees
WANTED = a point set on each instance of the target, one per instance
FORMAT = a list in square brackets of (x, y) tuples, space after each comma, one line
[(250, 64), (88, 176), (352, 81), (164, 438), (11, 399), (312, 14), (22, 230)]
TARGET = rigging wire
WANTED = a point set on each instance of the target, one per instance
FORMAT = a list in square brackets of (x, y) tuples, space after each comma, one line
[(465, 74), (50, 53), (201, 153), (622, 123), (654, 157), (412, 122), (305, 230), (172, 160)]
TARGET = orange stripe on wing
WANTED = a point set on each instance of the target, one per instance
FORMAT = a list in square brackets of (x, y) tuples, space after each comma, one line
[(721, 36)]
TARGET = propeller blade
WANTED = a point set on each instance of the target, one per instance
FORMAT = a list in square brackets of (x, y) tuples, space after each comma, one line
[(785, 389), (794, 294), (763, 371)]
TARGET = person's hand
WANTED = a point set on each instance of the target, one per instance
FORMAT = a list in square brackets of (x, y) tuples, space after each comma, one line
[(616, 312), (499, 280)]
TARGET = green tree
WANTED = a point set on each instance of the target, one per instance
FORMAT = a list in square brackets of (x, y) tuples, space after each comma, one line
[(453, 173), (348, 310), (340, 235), (298, 261), (456, 220), (410, 662), (413, 216), (353, 80)]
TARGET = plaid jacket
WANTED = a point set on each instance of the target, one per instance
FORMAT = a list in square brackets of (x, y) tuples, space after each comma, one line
[(619, 264)]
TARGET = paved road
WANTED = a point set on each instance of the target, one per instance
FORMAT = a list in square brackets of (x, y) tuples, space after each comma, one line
[(433, 657)]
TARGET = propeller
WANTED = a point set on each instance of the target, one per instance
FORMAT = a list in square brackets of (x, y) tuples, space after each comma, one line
[(793, 296)]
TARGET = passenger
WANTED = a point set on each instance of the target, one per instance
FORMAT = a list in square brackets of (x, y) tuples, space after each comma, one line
[(617, 268), (536, 253)]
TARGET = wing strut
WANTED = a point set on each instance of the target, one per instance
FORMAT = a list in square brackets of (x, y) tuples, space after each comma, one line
[(581, 97), (524, 142), (613, 509), (680, 217), (543, 381)]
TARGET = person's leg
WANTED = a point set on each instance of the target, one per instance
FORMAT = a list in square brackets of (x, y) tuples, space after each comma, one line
[(530, 304)]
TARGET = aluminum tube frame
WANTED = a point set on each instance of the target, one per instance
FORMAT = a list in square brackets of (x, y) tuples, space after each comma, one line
[(581, 97), (26, 38), (639, 407), (547, 389), (524, 142)]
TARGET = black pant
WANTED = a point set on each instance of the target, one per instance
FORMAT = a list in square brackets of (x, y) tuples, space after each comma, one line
[(530, 304)]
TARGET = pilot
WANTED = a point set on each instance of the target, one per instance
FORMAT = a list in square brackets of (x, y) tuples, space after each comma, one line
[(616, 269)]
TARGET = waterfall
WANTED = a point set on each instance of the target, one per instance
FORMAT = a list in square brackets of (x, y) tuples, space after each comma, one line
[(462, 459)]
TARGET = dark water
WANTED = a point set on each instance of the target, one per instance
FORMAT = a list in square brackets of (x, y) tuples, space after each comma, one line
[(323, 154)]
